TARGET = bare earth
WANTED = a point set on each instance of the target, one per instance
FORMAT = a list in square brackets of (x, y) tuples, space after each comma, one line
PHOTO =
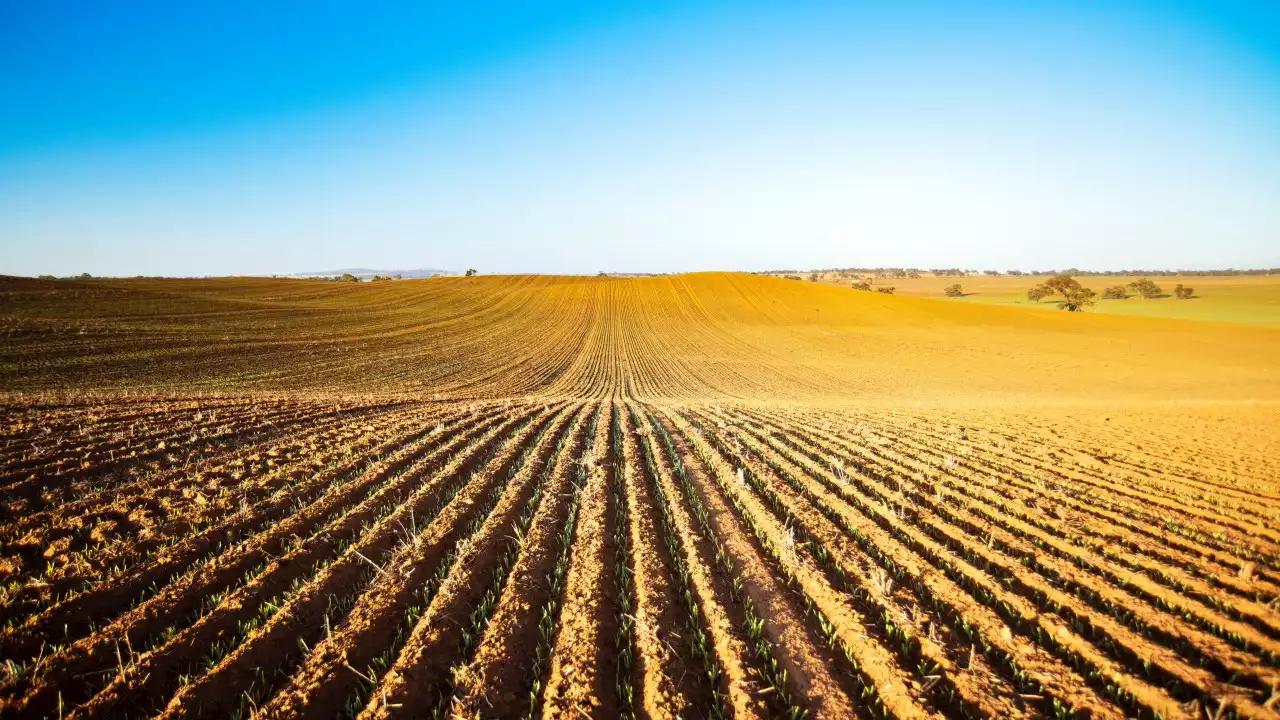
[(704, 495)]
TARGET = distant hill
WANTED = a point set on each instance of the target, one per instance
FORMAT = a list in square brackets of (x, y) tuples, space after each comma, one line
[(699, 335), (367, 273)]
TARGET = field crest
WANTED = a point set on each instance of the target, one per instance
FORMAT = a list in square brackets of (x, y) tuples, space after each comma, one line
[(702, 335)]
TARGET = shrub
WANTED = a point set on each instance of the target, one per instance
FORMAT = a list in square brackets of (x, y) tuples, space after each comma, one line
[(862, 285), (886, 289), (1115, 292), (1146, 288), (1182, 292), (813, 277), (1074, 296), (348, 277), (953, 290), (470, 272)]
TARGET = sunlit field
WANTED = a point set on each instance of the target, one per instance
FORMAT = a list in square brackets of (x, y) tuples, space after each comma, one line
[(708, 495)]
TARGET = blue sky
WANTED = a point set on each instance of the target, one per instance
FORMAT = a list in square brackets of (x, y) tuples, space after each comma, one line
[(194, 139)]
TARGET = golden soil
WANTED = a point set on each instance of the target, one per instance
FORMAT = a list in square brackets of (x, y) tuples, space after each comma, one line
[(706, 495), (704, 335)]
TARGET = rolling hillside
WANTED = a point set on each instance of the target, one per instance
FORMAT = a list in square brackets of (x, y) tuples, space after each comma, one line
[(707, 495), (704, 335)]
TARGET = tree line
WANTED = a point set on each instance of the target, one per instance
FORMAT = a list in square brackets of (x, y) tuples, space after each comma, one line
[(1075, 297), (912, 273)]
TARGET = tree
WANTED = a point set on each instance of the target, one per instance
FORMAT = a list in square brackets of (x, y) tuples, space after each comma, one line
[(1038, 293), (862, 285), (348, 277), (953, 290), (1146, 288), (1115, 292), (1075, 297), (470, 272), (813, 277), (1182, 292)]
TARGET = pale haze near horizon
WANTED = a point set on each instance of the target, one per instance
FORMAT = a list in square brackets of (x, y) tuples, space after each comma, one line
[(730, 136)]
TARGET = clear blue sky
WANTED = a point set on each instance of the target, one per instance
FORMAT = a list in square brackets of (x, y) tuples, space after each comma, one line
[(257, 137)]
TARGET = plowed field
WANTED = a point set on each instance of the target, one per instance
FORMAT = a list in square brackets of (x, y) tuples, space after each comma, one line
[(692, 496)]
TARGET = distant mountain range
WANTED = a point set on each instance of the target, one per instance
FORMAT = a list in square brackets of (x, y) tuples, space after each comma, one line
[(365, 273)]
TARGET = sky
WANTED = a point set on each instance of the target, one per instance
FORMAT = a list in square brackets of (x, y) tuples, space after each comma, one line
[(163, 138)]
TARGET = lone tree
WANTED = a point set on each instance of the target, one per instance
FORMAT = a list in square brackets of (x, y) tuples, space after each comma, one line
[(1182, 292), (864, 284), (1145, 288), (470, 272), (1074, 296), (953, 290), (1115, 292)]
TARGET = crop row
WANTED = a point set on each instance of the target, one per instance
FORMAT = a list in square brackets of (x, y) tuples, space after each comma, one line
[(613, 558)]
